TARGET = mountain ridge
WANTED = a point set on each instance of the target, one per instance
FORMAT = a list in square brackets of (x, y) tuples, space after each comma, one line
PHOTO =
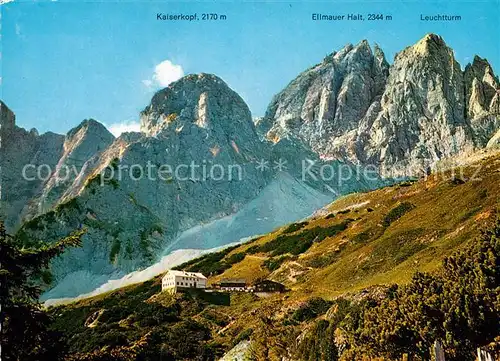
[(201, 125)]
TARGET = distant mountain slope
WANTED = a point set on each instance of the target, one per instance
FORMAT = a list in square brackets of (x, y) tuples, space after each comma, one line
[(71, 285), (132, 213), (18, 148), (284, 200)]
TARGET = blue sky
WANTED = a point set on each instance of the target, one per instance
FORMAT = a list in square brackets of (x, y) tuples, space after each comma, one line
[(63, 62)]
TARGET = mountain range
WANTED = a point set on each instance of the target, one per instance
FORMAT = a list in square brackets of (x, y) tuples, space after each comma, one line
[(402, 118), (351, 113)]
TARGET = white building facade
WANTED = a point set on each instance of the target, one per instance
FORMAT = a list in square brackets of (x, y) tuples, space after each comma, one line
[(174, 281)]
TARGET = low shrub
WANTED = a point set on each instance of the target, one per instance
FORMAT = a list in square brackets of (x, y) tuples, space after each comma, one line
[(298, 243), (396, 213), (295, 227), (312, 308), (274, 263)]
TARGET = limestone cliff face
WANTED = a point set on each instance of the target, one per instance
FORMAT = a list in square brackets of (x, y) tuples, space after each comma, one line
[(82, 147), (200, 119), (421, 117), (481, 86), (329, 99), (482, 95), (402, 118)]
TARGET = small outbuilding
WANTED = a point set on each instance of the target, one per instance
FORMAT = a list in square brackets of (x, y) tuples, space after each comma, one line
[(269, 287), (231, 284)]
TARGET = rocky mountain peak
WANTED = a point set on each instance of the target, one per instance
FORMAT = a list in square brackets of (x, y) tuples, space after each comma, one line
[(433, 39), (481, 66), (328, 99), (81, 149), (351, 56), (196, 99), (482, 88), (379, 53), (89, 128), (429, 54), (86, 140), (343, 52), (363, 46), (354, 55), (429, 44)]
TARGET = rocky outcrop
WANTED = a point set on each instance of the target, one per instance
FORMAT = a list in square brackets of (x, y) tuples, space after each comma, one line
[(482, 95), (494, 142), (240, 352), (402, 119), (82, 147), (7, 118), (481, 89), (421, 112)]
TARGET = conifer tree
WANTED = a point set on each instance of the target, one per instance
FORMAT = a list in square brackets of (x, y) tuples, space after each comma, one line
[(24, 324)]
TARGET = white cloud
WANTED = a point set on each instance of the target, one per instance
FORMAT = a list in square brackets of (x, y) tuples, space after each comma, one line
[(127, 126), (148, 83), (165, 73)]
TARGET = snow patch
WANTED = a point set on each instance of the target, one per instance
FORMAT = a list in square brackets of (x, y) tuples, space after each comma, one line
[(283, 201), (167, 262)]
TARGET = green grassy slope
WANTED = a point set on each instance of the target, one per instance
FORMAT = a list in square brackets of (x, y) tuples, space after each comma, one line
[(377, 237)]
